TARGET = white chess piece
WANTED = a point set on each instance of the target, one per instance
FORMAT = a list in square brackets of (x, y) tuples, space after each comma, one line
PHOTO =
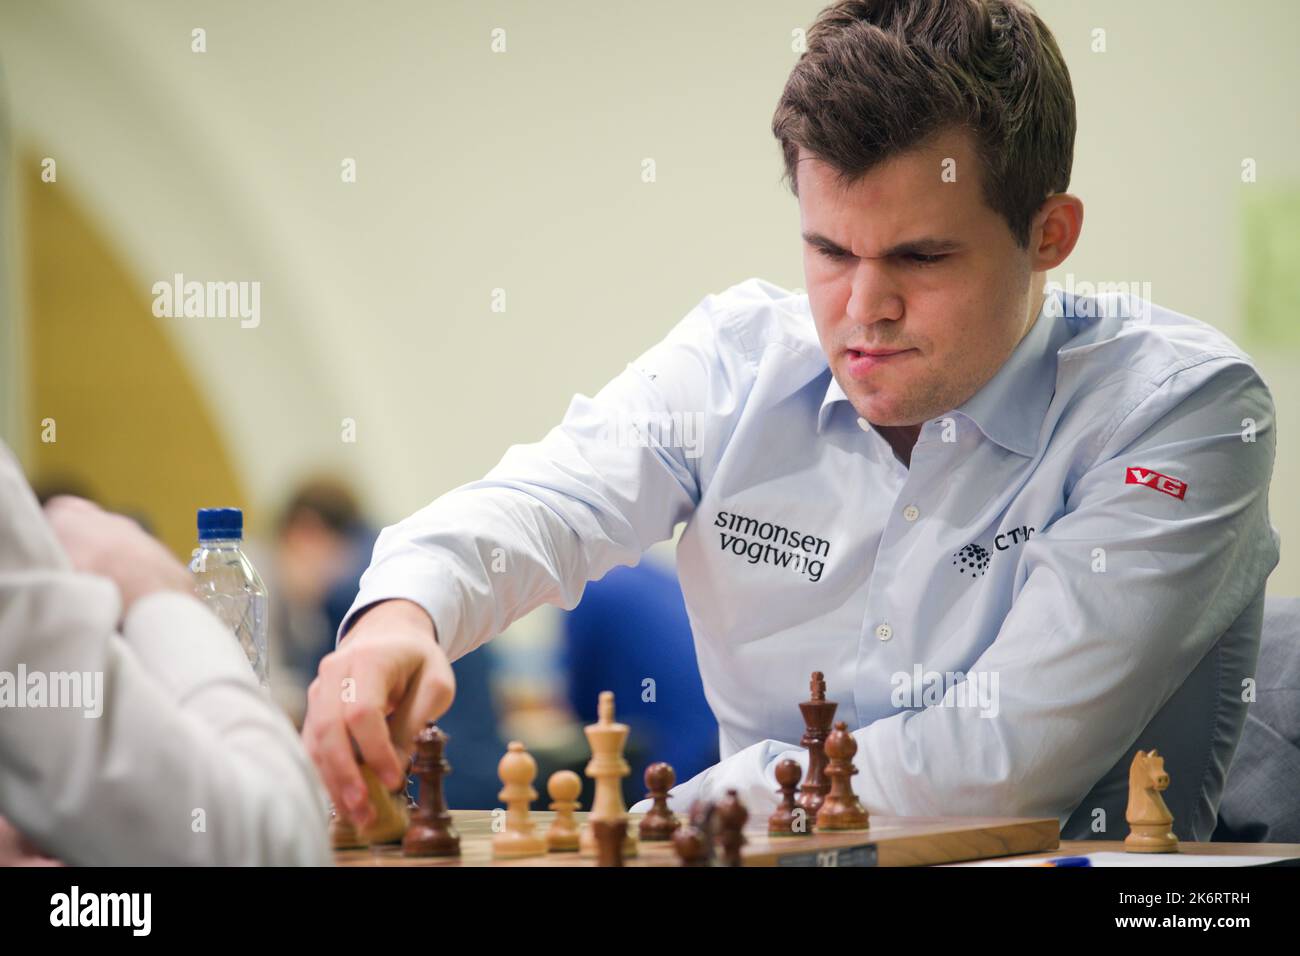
[(517, 771), (607, 767)]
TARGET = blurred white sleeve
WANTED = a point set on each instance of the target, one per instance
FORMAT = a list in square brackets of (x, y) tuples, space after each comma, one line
[(165, 750)]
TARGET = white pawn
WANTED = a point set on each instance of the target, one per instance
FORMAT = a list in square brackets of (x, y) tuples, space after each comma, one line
[(564, 787), (607, 767), (517, 771)]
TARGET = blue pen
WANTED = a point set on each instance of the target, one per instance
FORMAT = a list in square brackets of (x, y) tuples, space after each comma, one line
[(1067, 861)]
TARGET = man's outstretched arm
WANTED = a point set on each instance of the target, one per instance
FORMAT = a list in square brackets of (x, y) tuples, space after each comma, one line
[(616, 476)]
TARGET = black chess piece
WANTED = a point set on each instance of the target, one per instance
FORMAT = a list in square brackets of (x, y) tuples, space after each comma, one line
[(729, 819), (818, 712), (790, 819), (609, 835), (659, 823), (842, 810), (694, 842), (431, 832)]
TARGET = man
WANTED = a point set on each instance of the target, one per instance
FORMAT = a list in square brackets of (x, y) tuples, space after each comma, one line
[(1022, 533), (132, 730)]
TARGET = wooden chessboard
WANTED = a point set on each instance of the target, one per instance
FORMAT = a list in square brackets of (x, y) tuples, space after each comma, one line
[(891, 841)]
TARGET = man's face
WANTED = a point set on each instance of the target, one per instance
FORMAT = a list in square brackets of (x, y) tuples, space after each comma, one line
[(918, 264)]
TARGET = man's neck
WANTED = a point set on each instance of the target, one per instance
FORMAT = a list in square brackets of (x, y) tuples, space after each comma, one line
[(901, 438), (1035, 307)]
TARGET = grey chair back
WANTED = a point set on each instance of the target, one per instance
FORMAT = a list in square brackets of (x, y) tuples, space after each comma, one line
[(1196, 731)]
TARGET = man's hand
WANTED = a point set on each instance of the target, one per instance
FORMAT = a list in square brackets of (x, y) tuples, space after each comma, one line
[(371, 697), (17, 850), (115, 547)]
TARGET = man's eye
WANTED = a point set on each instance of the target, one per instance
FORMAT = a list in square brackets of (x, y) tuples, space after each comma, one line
[(916, 258)]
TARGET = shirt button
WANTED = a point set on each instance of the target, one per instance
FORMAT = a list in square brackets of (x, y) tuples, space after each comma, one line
[(884, 632), (911, 512), (864, 424)]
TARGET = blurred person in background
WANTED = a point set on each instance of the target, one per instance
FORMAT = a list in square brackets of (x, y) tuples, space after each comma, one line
[(322, 544)]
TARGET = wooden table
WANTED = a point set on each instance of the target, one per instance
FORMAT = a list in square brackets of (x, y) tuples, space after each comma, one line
[(891, 841), (895, 841)]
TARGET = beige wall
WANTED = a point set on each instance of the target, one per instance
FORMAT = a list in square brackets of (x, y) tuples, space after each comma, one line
[(522, 171), (105, 375)]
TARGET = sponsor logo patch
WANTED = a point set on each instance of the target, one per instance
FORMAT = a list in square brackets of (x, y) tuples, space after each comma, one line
[(1153, 479), (974, 559)]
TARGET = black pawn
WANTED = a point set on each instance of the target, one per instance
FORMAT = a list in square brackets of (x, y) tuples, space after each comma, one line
[(730, 818), (790, 819), (694, 842), (659, 823)]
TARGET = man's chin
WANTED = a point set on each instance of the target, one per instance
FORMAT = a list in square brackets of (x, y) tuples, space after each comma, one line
[(881, 415), (886, 410)]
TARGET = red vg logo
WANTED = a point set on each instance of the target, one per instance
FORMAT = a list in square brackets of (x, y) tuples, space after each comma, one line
[(1153, 479)]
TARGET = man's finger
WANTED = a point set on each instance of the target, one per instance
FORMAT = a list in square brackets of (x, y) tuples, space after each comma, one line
[(330, 746), (368, 728), (428, 699)]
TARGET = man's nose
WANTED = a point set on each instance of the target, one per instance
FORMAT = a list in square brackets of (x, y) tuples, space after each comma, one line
[(875, 295)]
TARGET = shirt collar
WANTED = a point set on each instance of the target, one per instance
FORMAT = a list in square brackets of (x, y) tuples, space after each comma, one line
[(1010, 407)]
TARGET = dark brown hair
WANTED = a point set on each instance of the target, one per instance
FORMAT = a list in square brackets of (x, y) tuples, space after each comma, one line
[(329, 500), (881, 76)]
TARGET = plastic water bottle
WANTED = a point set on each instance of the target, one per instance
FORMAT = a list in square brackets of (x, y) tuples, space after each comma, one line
[(227, 582)]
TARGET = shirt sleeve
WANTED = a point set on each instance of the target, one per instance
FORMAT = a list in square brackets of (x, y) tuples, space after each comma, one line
[(613, 478), (155, 746), (1119, 599)]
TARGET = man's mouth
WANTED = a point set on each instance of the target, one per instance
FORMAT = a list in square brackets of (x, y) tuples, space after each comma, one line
[(863, 361), (875, 353)]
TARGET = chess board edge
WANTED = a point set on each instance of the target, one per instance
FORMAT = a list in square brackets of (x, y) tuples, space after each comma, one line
[(888, 842)]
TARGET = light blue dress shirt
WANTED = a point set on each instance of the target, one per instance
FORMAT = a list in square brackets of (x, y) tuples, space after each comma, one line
[(1072, 566)]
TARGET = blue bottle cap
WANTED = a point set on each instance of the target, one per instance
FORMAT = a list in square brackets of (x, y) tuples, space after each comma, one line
[(220, 523)]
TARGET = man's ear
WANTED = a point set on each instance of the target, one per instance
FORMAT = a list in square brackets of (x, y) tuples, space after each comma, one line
[(1054, 231)]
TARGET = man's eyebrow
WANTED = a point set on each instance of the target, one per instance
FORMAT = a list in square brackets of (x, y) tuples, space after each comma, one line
[(924, 246)]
